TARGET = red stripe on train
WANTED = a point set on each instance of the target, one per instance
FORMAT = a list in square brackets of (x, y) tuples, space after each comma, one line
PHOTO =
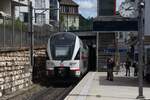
[(75, 69)]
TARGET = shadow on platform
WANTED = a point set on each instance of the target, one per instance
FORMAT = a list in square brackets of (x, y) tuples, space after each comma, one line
[(121, 81)]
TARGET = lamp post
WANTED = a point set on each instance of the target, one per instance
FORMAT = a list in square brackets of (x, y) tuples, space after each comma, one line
[(141, 47)]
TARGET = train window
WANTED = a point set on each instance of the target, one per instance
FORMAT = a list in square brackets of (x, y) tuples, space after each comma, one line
[(61, 51), (62, 46)]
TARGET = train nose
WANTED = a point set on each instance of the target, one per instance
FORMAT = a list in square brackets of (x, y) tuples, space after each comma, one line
[(62, 71)]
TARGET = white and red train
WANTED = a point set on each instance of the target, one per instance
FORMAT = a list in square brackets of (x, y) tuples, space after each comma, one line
[(68, 55)]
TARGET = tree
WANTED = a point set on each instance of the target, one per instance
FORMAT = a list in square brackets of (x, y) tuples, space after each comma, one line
[(85, 24)]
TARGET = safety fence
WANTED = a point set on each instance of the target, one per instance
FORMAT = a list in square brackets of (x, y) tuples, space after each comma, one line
[(14, 34)]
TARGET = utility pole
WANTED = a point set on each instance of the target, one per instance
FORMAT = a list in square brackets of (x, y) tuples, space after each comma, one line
[(30, 30), (141, 47)]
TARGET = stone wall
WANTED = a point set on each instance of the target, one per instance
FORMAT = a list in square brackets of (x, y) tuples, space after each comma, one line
[(15, 70), (39, 69)]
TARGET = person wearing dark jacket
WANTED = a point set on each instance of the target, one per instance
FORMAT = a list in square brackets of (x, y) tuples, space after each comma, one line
[(110, 65), (127, 66), (135, 68)]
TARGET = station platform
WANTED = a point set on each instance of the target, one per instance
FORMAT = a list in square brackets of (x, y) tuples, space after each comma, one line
[(94, 86)]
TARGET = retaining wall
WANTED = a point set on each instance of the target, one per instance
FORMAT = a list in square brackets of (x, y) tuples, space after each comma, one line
[(15, 70)]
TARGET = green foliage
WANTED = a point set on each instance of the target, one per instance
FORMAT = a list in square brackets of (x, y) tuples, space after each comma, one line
[(7, 23), (85, 24), (61, 18), (72, 28), (20, 25)]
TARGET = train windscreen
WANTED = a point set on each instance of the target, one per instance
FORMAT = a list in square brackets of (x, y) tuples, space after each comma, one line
[(62, 46), (62, 51)]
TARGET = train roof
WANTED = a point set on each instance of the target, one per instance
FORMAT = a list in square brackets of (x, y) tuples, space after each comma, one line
[(70, 33)]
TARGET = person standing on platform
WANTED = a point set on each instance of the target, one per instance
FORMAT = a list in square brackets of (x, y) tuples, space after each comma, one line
[(135, 68), (127, 66), (110, 65)]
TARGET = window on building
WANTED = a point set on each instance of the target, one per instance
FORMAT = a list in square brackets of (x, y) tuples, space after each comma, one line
[(53, 12), (53, 15), (40, 3), (62, 9), (67, 9), (70, 9), (76, 10), (24, 17), (40, 18)]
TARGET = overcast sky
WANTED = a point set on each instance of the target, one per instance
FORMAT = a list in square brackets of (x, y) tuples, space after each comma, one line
[(88, 8)]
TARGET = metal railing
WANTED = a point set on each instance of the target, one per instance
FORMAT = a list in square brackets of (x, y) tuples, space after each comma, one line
[(14, 34)]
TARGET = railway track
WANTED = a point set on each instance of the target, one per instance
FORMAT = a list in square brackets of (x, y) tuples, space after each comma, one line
[(50, 91)]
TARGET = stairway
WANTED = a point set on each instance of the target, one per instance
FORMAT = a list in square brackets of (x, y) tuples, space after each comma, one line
[(106, 48)]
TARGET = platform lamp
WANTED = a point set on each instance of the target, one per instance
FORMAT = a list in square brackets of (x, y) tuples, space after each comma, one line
[(141, 46)]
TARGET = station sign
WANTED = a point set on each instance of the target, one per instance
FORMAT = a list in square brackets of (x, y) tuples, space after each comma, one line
[(112, 50)]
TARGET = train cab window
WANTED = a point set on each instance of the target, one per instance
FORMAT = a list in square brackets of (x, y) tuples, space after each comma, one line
[(61, 51), (62, 46)]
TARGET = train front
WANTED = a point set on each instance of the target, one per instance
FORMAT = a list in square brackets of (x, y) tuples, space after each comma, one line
[(62, 50)]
